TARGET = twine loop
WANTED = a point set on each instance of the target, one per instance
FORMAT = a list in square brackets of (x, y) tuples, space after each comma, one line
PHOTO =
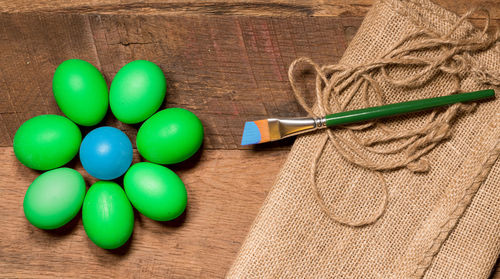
[(423, 51)]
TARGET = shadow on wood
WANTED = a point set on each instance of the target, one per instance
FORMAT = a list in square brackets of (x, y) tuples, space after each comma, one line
[(66, 229), (177, 222)]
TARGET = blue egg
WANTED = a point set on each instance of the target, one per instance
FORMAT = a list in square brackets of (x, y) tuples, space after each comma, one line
[(106, 153)]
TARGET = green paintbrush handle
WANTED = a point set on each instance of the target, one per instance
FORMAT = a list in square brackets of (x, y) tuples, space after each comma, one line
[(365, 114)]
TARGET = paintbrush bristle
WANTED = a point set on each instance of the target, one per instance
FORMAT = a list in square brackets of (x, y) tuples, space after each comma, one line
[(255, 132)]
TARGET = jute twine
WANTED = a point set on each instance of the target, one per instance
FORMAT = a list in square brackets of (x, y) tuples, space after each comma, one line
[(335, 81)]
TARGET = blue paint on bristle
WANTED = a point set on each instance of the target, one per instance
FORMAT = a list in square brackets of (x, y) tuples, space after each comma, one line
[(251, 134)]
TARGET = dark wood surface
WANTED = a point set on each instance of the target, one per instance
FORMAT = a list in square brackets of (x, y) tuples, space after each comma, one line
[(226, 69), (227, 62), (340, 8)]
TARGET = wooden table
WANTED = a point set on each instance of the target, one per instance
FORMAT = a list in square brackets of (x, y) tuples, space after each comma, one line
[(227, 62)]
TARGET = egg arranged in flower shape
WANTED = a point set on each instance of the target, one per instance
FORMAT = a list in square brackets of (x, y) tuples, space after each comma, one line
[(137, 91), (108, 218), (106, 153), (48, 142), (155, 191), (170, 136), (80, 92), (54, 198)]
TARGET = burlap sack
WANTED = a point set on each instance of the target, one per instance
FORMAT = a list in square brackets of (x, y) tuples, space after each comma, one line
[(443, 222)]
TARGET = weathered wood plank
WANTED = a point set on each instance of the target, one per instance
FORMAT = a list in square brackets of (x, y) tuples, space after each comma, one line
[(356, 8), (182, 7), (247, 42), (225, 191), (226, 69)]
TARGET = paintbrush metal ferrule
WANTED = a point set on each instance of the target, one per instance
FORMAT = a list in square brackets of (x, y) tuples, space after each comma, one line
[(274, 129), (282, 128)]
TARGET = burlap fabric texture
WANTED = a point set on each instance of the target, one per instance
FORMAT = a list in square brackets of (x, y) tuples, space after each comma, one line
[(415, 196)]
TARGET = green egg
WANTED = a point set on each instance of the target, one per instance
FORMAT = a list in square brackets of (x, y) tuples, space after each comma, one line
[(47, 141), (81, 92), (137, 91), (170, 136), (155, 191), (54, 198), (108, 218)]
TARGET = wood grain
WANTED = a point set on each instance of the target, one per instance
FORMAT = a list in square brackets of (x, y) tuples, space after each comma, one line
[(226, 69), (357, 8), (224, 60), (225, 191)]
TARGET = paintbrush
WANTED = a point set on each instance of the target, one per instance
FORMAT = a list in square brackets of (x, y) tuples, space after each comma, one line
[(274, 129)]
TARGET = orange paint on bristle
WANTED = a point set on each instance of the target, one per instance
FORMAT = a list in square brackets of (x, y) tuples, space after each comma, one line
[(264, 130)]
